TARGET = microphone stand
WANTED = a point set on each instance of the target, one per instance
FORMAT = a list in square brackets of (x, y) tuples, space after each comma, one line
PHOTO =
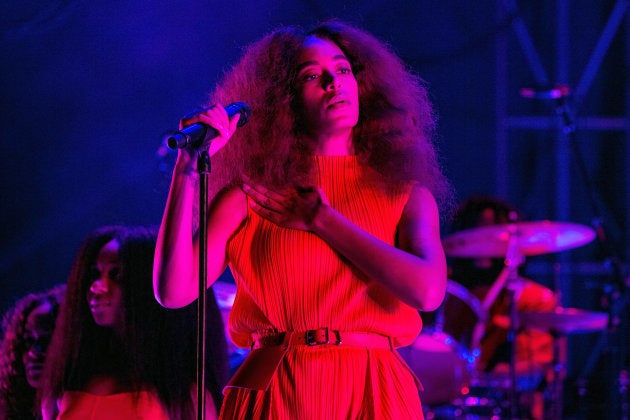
[(190, 136), (203, 167)]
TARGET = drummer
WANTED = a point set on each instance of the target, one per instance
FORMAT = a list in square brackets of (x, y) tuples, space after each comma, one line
[(534, 348)]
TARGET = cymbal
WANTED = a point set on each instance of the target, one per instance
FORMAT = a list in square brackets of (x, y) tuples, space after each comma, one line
[(532, 238), (565, 320)]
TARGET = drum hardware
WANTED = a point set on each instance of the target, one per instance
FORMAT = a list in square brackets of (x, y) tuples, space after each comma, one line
[(514, 257), (565, 320), (532, 238), (560, 323), (441, 356), (613, 341), (514, 241)]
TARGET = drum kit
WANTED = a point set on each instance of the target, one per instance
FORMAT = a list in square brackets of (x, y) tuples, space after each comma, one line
[(445, 355)]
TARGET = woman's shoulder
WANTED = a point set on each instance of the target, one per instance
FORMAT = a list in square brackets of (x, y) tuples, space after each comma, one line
[(231, 201), (421, 203), (421, 194), (231, 192)]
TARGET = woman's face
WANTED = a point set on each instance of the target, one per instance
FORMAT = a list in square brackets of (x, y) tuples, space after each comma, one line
[(38, 330), (105, 294), (327, 88)]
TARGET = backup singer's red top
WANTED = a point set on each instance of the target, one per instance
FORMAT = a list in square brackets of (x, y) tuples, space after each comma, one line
[(76, 405), (291, 280)]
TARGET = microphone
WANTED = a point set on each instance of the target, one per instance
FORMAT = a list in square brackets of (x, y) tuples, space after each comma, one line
[(556, 92), (194, 134)]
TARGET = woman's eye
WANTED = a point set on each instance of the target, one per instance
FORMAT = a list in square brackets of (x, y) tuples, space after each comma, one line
[(309, 77), (345, 70), (94, 273), (114, 274)]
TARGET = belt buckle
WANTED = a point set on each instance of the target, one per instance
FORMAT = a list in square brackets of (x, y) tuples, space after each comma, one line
[(312, 338)]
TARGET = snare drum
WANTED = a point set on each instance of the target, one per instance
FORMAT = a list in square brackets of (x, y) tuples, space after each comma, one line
[(442, 356)]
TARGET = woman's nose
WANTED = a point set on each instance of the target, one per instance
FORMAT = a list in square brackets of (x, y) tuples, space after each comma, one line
[(99, 287), (36, 346), (331, 81), (35, 351)]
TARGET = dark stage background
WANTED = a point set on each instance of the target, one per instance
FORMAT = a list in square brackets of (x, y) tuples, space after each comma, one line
[(89, 89)]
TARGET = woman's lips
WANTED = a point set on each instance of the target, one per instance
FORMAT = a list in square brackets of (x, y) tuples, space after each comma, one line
[(96, 305)]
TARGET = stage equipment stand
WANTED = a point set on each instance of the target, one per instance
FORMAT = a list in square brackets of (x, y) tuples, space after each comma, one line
[(203, 167), (614, 339), (513, 259), (554, 405)]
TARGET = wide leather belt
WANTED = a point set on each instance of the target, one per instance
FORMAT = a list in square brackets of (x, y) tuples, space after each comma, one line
[(322, 336), (269, 348)]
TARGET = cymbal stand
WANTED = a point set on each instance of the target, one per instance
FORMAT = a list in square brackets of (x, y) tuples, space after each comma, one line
[(554, 404), (514, 258)]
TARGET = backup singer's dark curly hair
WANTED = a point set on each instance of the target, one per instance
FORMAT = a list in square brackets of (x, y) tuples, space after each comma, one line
[(17, 396)]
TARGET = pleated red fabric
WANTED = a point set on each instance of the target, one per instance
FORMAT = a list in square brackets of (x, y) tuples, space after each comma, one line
[(290, 280)]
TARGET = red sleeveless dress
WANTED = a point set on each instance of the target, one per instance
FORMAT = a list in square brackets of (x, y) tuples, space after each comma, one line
[(289, 280)]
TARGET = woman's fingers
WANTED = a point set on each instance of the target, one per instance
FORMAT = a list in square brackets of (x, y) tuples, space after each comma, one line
[(265, 197), (215, 116), (291, 207)]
